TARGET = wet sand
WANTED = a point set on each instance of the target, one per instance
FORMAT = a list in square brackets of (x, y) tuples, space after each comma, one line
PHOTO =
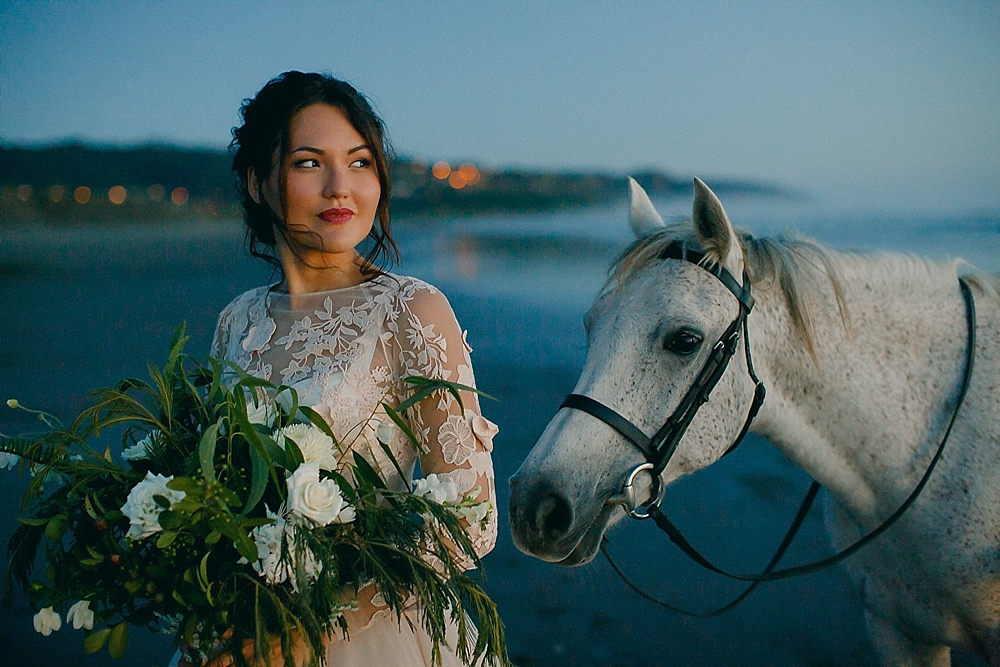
[(83, 309)]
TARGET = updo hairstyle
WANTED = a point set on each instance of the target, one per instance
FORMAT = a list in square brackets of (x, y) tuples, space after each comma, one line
[(261, 141)]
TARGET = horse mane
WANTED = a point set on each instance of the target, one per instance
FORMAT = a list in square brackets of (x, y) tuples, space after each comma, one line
[(793, 264)]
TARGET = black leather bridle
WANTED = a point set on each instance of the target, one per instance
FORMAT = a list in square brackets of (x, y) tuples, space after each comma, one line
[(660, 448)]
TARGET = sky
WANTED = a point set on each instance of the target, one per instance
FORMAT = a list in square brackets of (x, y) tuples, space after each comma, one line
[(888, 105)]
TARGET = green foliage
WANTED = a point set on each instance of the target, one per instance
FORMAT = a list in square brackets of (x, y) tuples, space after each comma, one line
[(188, 560)]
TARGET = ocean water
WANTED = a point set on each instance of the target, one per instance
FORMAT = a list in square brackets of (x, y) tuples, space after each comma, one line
[(83, 308)]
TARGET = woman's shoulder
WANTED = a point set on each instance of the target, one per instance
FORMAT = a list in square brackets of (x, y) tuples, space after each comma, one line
[(245, 301), (416, 295)]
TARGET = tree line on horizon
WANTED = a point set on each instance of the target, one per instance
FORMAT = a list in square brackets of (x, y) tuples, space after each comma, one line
[(76, 182)]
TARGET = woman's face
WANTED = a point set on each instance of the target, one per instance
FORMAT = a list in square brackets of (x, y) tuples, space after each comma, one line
[(330, 186)]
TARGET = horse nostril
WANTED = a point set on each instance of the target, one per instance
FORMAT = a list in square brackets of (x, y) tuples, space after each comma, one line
[(554, 516)]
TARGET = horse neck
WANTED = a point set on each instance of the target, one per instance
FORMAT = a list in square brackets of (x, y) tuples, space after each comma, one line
[(861, 413)]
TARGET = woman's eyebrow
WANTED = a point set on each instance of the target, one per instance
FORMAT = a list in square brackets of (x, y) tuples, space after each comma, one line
[(320, 151)]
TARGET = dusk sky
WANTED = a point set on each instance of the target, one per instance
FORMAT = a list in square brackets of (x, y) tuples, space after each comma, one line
[(881, 104)]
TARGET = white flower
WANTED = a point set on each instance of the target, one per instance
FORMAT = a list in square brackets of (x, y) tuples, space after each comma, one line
[(8, 461), (81, 616), (47, 621), (270, 564), (315, 499), (141, 508), (436, 488), (475, 513), (268, 540), (140, 450), (261, 413), (316, 446), (384, 432)]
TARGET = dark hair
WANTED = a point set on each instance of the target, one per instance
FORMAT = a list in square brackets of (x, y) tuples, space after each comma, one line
[(264, 132)]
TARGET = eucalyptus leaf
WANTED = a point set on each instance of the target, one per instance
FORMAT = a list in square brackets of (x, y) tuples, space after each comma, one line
[(118, 640), (94, 641)]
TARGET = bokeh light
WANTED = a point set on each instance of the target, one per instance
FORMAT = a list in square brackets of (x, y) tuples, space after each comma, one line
[(441, 170), (56, 193), (82, 194), (470, 172), (457, 180), (24, 192), (117, 194), (180, 196), (156, 192)]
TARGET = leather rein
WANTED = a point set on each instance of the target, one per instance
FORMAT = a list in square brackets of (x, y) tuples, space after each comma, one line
[(660, 448)]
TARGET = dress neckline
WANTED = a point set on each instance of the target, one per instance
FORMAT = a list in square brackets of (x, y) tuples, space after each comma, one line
[(273, 297)]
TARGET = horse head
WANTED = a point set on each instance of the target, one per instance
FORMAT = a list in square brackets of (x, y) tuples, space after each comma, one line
[(650, 333)]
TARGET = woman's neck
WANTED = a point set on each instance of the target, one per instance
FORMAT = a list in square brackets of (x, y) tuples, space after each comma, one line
[(319, 272)]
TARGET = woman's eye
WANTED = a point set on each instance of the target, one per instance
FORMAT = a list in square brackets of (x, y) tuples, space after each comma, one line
[(682, 342), (308, 162), (362, 163)]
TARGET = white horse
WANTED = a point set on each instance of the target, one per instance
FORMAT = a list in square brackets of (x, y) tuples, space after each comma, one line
[(863, 358)]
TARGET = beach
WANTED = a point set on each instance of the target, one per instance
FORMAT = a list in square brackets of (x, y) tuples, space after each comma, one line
[(83, 308)]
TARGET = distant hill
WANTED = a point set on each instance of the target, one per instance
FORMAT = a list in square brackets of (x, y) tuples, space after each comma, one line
[(75, 182)]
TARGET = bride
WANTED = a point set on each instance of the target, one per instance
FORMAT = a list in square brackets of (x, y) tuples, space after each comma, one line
[(311, 161)]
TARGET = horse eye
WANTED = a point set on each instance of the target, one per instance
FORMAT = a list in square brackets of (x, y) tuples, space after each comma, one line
[(684, 341)]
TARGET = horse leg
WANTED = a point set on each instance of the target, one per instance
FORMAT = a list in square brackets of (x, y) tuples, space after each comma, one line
[(896, 649)]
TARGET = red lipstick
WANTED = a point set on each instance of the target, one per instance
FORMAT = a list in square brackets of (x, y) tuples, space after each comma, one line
[(336, 216)]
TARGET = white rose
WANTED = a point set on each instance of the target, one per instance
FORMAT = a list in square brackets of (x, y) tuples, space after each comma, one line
[(436, 488), (140, 450), (316, 446), (47, 621), (318, 500), (140, 508), (81, 616)]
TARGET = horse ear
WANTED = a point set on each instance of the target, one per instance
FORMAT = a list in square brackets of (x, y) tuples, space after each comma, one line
[(642, 216), (714, 229)]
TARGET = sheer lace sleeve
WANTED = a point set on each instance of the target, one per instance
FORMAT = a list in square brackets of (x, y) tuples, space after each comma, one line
[(456, 439)]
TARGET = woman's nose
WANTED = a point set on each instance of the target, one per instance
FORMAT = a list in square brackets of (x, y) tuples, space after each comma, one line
[(335, 184)]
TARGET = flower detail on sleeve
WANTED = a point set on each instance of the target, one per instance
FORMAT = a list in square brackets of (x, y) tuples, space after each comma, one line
[(457, 440), (259, 335), (484, 430)]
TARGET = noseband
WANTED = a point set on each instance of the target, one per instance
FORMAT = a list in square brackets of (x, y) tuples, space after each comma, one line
[(659, 448)]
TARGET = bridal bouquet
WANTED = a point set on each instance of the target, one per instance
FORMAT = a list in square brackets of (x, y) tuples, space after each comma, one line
[(229, 518)]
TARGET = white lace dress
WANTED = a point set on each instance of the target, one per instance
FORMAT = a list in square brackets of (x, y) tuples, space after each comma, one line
[(345, 351)]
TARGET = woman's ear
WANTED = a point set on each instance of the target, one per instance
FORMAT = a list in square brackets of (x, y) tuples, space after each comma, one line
[(253, 185)]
